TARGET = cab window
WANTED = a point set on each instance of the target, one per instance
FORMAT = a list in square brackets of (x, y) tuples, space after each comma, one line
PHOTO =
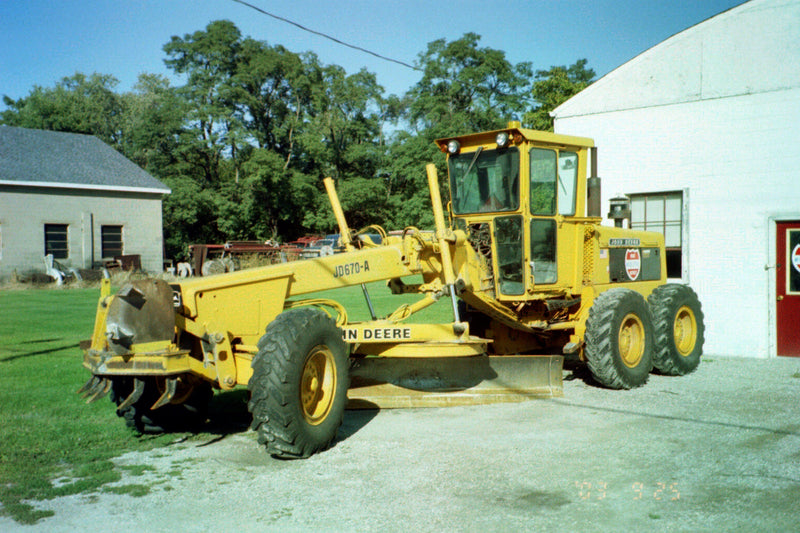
[(543, 251), (485, 181), (543, 181), (508, 239), (567, 182)]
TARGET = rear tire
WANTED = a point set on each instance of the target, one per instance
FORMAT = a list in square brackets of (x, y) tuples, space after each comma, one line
[(619, 339), (185, 416), (299, 384), (679, 329)]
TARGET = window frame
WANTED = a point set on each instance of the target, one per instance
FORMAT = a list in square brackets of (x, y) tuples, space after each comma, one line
[(52, 230), (104, 247), (660, 225), (476, 161)]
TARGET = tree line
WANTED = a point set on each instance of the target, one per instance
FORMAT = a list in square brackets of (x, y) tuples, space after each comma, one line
[(245, 141)]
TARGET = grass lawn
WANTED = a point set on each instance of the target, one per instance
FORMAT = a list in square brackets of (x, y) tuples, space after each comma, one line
[(48, 432)]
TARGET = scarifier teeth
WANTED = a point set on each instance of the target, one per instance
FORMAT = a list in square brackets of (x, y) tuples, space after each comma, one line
[(85, 386), (169, 393), (133, 397), (89, 385), (102, 389), (95, 388)]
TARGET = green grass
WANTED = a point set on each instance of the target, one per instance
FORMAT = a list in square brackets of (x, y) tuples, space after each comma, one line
[(384, 302), (51, 442), (47, 431)]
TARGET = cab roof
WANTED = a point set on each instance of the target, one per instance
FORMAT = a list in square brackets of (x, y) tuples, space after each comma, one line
[(518, 134)]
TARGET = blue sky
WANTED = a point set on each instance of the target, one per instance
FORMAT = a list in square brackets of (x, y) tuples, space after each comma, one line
[(42, 41)]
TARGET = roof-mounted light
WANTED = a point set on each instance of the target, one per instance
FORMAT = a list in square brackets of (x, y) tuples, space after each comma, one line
[(453, 147), (502, 139)]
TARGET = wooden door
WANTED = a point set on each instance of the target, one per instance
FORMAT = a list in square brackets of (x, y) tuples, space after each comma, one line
[(788, 288)]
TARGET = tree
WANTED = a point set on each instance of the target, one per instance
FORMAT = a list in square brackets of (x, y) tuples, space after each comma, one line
[(209, 59), (552, 88), (269, 201), (77, 104), (466, 88), (272, 92), (189, 215), (342, 132), (152, 126)]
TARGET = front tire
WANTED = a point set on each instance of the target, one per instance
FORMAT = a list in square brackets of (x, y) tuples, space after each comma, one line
[(298, 389), (679, 329), (619, 339)]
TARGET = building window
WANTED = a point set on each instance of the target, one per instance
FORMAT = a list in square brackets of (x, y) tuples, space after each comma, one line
[(111, 237), (663, 213), (55, 240)]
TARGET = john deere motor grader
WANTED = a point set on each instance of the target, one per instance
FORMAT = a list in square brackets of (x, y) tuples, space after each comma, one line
[(531, 274)]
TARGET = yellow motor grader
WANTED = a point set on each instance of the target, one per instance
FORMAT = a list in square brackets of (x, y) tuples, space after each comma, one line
[(521, 255)]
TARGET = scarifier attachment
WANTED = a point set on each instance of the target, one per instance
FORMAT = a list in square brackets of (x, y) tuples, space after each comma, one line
[(142, 311), (394, 382)]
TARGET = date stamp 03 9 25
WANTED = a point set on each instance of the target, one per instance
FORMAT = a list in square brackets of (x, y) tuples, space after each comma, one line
[(600, 490)]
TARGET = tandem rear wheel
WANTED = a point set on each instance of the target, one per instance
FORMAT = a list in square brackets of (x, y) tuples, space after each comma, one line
[(298, 389), (679, 329), (619, 339)]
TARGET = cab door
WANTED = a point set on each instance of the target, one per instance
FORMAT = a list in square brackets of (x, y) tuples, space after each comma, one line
[(552, 193)]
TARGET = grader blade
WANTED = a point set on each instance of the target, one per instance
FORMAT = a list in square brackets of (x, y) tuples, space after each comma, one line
[(394, 382)]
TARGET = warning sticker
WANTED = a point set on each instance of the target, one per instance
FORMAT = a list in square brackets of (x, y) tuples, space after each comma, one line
[(633, 263), (796, 258)]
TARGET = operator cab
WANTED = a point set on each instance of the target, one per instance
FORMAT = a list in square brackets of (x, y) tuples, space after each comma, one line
[(512, 189)]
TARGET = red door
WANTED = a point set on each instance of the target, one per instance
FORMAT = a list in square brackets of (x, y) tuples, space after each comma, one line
[(788, 288)]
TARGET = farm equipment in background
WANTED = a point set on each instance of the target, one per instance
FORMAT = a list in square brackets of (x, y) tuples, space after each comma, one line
[(210, 259), (529, 271)]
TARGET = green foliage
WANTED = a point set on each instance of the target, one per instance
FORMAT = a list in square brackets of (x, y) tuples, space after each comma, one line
[(77, 104), (153, 125), (245, 141), (466, 88), (552, 88)]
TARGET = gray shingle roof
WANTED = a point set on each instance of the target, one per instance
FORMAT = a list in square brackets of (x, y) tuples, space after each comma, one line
[(50, 158)]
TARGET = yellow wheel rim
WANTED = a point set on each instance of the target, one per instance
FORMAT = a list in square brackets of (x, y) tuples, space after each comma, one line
[(318, 385), (685, 331), (631, 340)]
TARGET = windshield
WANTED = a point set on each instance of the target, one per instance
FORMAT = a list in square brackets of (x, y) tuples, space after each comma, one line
[(484, 181)]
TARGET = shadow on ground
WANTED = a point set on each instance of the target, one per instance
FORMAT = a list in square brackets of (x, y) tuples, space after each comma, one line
[(228, 415)]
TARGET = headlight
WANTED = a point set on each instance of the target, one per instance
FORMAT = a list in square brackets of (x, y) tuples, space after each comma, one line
[(502, 139), (453, 146)]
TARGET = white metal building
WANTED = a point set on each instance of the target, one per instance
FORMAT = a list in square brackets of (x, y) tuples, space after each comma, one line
[(702, 132), (76, 198)]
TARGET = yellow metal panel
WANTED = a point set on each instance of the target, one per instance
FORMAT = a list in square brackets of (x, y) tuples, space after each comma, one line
[(439, 349)]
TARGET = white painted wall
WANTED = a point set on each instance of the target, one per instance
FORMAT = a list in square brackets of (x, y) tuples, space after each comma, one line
[(739, 170), (25, 210), (715, 111)]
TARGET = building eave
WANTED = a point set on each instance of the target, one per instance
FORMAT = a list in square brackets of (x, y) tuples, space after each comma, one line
[(82, 186)]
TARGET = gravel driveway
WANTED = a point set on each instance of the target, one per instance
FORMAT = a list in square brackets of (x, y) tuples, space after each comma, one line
[(718, 450)]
